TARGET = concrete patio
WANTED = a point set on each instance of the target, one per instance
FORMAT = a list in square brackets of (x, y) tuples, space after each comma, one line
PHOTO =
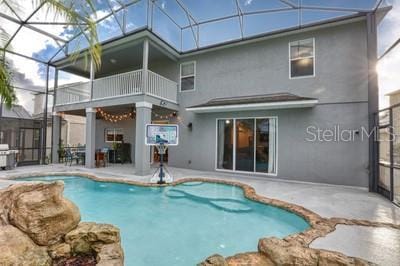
[(325, 200)]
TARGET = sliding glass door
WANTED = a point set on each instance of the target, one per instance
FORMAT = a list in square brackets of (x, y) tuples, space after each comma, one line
[(247, 145), (225, 144)]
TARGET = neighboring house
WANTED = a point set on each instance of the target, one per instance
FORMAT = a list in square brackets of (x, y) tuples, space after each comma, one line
[(394, 102), (72, 126), (16, 112), (243, 107), (394, 97)]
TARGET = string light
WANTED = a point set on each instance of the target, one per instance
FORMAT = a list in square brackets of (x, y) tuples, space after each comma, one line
[(115, 118), (167, 116), (131, 115)]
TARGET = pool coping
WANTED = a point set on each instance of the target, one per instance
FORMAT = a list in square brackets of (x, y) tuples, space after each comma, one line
[(319, 226)]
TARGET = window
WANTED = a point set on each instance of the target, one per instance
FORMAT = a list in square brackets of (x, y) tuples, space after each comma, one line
[(114, 135), (247, 145), (188, 75), (302, 58)]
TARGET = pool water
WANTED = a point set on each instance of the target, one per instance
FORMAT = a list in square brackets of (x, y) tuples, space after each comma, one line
[(179, 225)]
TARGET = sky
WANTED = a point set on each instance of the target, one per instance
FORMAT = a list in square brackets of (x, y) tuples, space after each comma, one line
[(30, 74)]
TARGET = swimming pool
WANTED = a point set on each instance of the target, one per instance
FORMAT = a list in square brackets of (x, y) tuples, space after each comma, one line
[(179, 225)]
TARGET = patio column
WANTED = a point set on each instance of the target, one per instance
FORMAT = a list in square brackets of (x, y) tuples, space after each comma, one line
[(55, 139), (142, 152), (90, 137)]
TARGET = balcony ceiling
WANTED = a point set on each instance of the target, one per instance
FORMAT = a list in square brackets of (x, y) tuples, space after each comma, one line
[(186, 25), (117, 58)]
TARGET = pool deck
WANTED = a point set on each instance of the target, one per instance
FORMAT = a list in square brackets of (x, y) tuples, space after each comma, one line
[(375, 244)]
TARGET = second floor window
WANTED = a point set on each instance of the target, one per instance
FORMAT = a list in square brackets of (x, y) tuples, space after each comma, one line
[(188, 75), (114, 135), (301, 58)]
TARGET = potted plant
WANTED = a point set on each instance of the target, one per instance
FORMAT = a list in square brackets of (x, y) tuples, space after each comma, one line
[(115, 145)]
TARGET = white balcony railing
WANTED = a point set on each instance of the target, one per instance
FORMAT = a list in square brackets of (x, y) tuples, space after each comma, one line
[(73, 93), (129, 83), (161, 87)]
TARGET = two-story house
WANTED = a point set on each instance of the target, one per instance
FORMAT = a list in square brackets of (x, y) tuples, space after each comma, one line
[(279, 105)]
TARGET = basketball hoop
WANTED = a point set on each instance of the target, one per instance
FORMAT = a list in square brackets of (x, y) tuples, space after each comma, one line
[(161, 136)]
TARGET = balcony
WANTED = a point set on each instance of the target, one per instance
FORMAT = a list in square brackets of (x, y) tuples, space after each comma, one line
[(120, 85)]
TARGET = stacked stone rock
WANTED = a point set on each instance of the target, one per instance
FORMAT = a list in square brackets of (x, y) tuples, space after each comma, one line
[(278, 252), (38, 226)]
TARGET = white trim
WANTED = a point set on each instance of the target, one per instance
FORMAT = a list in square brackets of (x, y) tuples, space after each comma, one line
[(143, 104), (91, 110), (254, 106), (187, 76), (290, 60), (234, 146)]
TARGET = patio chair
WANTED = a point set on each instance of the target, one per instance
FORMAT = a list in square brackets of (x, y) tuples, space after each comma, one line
[(70, 156), (100, 158), (106, 152)]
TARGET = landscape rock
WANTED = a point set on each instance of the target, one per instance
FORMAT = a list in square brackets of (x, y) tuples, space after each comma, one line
[(249, 258), (38, 226), (214, 260), (103, 240), (282, 252), (41, 211), (60, 250), (16, 248), (87, 234), (109, 254)]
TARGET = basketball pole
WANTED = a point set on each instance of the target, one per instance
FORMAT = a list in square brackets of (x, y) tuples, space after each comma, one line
[(161, 175)]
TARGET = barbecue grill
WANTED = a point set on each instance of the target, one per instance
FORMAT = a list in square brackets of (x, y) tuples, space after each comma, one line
[(8, 158)]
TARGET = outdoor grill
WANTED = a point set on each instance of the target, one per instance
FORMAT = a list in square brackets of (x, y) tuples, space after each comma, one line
[(8, 158)]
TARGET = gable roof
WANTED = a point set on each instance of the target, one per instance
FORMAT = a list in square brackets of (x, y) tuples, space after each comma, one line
[(16, 111)]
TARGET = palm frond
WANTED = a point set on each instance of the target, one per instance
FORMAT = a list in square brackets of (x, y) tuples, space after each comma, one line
[(73, 17), (79, 11), (4, 37), (7, 92)]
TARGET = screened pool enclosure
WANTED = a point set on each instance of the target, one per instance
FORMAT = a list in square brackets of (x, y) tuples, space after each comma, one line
[(35, 38)]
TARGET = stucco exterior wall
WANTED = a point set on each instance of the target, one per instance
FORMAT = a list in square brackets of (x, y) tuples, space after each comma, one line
[(128, 128), (340, 84)]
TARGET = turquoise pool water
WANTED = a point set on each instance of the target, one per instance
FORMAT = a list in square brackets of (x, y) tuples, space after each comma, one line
[(178, 225)]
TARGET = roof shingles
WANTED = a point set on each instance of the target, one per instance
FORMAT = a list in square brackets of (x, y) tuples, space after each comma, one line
[(253, 99)]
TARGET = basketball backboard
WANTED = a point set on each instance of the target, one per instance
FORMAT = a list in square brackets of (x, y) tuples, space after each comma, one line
[(157, 134)]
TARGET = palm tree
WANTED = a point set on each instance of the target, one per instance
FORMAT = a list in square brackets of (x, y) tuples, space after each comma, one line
[(71, 16), (7, 93)]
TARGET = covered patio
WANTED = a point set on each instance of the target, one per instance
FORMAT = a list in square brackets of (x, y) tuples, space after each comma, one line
[(114, 137)]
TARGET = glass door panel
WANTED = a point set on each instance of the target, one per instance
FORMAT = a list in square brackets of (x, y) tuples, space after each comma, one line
[(225, 144), (262, 145), (245, 145)]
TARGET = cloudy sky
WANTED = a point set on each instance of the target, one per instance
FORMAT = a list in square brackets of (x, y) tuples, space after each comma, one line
[(31, 74)]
